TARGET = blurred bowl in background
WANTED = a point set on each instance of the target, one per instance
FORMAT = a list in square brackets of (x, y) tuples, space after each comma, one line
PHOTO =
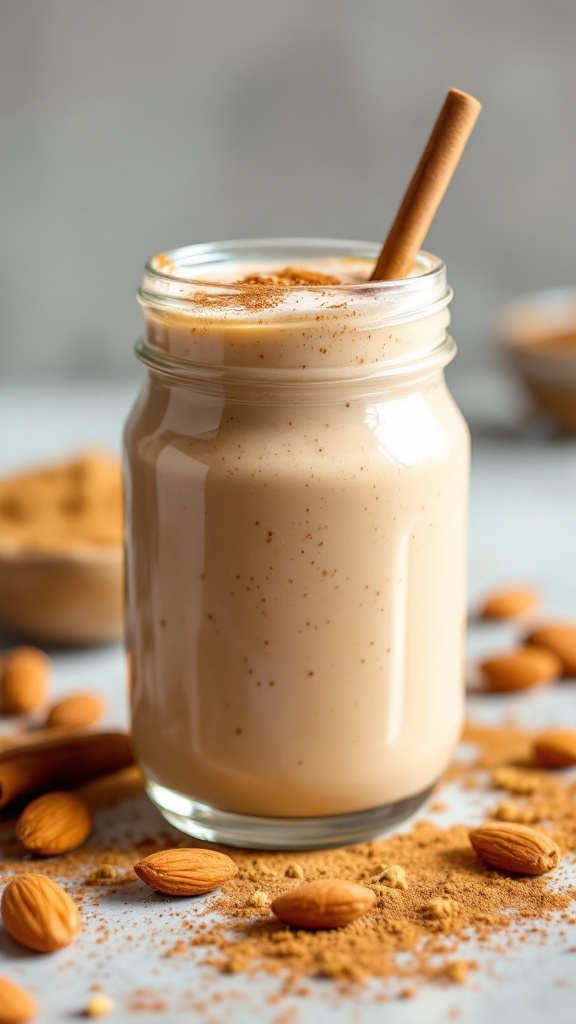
[(61, 557), (63, 599), (539, 335)]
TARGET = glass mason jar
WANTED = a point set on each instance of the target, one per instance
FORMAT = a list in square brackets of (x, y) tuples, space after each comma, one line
[(296, 503)]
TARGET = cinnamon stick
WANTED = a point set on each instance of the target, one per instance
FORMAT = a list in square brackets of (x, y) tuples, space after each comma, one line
[(61, 763), (428, 185), (34, 737)]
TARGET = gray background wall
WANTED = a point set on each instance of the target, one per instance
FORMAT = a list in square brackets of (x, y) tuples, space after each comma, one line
[(129, 126)]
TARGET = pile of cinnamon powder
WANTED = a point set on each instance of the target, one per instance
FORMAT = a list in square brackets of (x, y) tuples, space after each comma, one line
[(426, 915), (65, 505), (450, 896)]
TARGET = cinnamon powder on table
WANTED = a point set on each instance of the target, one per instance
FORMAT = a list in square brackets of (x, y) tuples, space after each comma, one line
[(433, 894), (421, 932)]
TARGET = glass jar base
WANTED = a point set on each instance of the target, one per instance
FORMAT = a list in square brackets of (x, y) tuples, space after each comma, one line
[(215, 826)]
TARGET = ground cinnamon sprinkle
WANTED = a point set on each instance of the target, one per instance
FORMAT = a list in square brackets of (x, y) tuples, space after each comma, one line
[(435, 898), (420, 932), (254, 293), (291, 277), (450, 894)]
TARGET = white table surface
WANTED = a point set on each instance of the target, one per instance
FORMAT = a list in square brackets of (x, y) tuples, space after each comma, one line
[(523, 528)]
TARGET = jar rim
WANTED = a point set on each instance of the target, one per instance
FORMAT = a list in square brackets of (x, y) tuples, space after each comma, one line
[(208, 253), (165, 287), (301, 327)]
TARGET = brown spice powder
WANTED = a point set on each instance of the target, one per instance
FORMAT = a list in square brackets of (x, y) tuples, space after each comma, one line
[(258, 293), (62, 506), (291, 277), (450, 894), (414, 932)]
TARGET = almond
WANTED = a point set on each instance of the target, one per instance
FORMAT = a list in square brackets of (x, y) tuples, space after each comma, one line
[(520, 669), (329, 903), (556, 748), (509, 603), (186, 872), (76, 711), (16, 1006), (515, 847), (54, 823), (99, 1005), (39, 914), (24, 680), (561, 640)]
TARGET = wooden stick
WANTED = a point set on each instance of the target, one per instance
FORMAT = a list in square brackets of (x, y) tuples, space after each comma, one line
[(35, 768), (428, 186), (32, 737)]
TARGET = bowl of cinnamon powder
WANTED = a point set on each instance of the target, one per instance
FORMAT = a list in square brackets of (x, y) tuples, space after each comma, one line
[(61, 562), (539, 335)]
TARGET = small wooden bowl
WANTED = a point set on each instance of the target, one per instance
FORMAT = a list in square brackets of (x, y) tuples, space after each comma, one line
[(539, 335), (63, 598)]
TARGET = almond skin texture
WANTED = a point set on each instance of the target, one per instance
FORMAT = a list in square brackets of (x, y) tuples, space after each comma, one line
[(39, 914), (561, 640), (76, 712), (556, 748), (24, 680), (329, 903), (16, 1006), (516, 848), (54, 823), (185, 872), (509, 603), (520, 669)]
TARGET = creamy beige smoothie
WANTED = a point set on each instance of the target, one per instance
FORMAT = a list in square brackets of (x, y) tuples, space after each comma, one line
[(296, 532)]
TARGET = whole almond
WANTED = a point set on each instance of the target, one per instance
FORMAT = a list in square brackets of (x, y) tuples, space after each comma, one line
[(39, 914), (186, 872), (76, 711), (516, 848), (520, 669), (16, 1006), (556, 748), (328, 903), (24, 680), (100, 1005), (559, 638), (54, 823), (509, 603)]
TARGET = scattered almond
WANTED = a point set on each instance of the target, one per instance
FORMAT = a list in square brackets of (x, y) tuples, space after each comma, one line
[(54, 823), (186, 872), (509, 603), (556, 748), (515, 847), (520, 669), (16, 1006), (24, 680), (99, 1005), (329, 903), (76, 711), (561, 640), (39, 914)]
